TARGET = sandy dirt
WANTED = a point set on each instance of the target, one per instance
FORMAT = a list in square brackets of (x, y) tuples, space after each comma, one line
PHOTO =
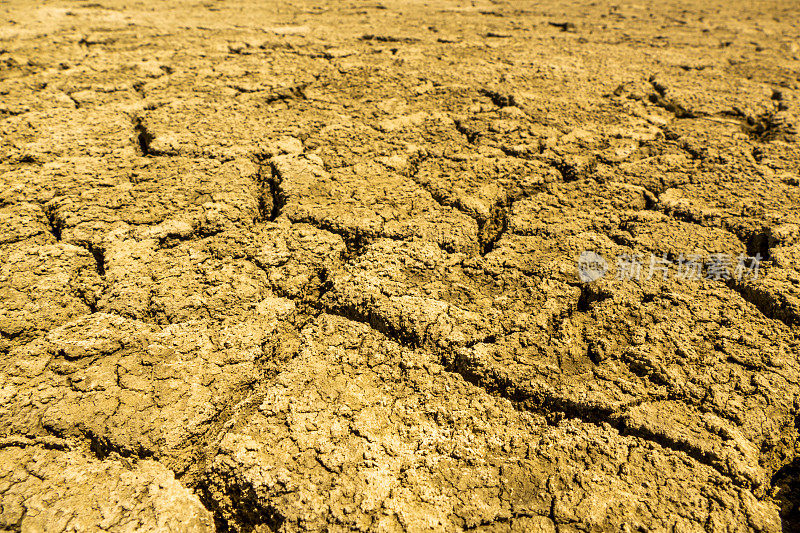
[(319, 266)]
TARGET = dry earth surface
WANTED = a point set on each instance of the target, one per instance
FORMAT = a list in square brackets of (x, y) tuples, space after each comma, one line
[(311, 266)]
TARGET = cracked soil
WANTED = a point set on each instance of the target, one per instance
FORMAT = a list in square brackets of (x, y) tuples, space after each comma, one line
[(312, 266)]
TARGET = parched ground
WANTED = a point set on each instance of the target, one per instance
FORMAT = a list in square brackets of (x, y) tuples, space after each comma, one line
[(284, 266)]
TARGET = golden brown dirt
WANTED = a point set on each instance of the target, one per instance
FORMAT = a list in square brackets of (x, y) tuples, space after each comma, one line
[(313, 266)]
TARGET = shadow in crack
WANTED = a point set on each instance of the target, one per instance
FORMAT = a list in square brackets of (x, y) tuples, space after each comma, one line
[(786, 487)]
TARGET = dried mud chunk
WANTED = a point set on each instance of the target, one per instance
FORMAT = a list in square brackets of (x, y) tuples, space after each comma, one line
[(111, 84), (571, 208), (782, 157), (49, 490), (179, 284), (741, 203), (263, 73), (359, 432), (137, 389), (44, 286), (366, 202), (44, 136), (423, 295), (193, 128), (206, 195), (217, 277), (776, 292), (707, 92), (551, 216), (714, 144), (484, 188), (297, 258), (24, 222), (787, 256), (663, 236), (680, 204), (22, 95), (658, 168), (63, 176), (346, 142)]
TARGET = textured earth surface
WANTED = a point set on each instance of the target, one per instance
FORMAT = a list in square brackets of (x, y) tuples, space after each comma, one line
[(312, 266)]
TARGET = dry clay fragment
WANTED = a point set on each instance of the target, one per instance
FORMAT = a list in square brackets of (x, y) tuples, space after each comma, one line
[(51, 490)]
